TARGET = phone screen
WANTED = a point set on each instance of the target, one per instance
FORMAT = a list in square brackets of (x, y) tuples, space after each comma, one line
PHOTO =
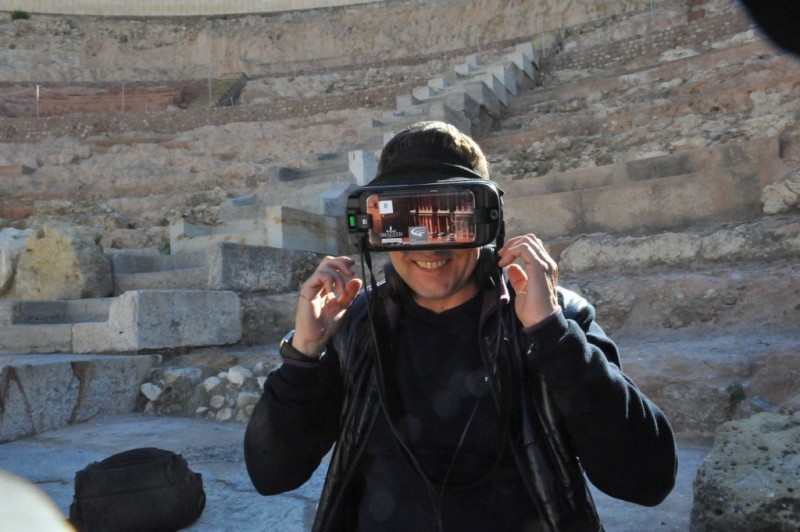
[(405, 219)]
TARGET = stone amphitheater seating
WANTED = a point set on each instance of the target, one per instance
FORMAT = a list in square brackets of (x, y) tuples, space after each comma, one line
[(668, 192), (258, 221), (677, 322), (135, 320)]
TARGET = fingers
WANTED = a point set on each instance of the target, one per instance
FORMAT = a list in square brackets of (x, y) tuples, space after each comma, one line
[(533, 275), (332, 276), (323, 299), (517, 277), (531, 253)]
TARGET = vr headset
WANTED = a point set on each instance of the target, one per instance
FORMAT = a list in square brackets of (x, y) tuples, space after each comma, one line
[(458, 211)]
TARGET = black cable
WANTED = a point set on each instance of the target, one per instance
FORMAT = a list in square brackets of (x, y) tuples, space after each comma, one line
[(435, 489)]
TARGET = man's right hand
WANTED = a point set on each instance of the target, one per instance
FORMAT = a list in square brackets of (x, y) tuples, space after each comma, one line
[(323, 299)]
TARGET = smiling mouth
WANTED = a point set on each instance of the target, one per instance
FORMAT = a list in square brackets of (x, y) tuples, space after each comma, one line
[(430, 265)]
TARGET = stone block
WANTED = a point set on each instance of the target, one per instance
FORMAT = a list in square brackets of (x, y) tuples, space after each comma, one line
[(36, 398), (363, 165), (63, 261), (405, 102), (445, 113), (267, 318), (45, 392), (524, 57), (497, 87), (424, 93), (45, 338), (54, 312), (750, 477), (258, 269), (483, 95), (505, 75), (439, 83), (152, 319), (12, 243), (110, 385), (275, 226)]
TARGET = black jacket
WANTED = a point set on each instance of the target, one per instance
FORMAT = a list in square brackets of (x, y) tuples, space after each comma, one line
[(578, 411)]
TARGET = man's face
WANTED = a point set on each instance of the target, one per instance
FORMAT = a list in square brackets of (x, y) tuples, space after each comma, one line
[(440, 279)]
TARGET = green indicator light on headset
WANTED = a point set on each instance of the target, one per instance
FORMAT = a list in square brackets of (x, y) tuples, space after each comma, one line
[(351, 220)]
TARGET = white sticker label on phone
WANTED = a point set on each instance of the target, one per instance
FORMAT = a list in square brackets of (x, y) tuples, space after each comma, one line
[(385, 207)]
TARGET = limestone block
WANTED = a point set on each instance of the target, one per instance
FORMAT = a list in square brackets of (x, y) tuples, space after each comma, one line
[(363, 165), (266, 319), (439, 83), (273, 226), (44, 392), (524, 56), (152, 319), (405, 102), (497, 87), (505, 74), (36, 398), (43, 338), (446, 113), (257, 268), (63, 261), (749, 479), (109, 385), (777, 198), (424, 93), (12, 242)]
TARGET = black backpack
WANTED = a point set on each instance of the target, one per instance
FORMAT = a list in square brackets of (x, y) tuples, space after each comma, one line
[(145, 489)]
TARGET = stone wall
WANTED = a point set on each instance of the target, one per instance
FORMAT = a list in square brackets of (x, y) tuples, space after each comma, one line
[(712, 28), (83, 125), (170, 8)]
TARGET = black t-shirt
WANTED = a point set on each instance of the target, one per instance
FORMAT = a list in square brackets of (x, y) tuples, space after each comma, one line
[(441, 398)]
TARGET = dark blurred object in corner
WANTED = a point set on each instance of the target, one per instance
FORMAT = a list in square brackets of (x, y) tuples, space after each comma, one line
[(778, 20)]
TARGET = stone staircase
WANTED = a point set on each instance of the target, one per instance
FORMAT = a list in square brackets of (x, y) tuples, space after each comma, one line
[(64, 362), (134, 321), (266, 219)]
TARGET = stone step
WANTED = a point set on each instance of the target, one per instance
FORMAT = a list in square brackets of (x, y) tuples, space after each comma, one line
[(729, 59), (752, 153), (652, 205), (223, 266), (135, 320), (53, 312), (628, 120), (770, 238), (755, 295), (187, 271), (317, 198), (44, 392), (278, 227)]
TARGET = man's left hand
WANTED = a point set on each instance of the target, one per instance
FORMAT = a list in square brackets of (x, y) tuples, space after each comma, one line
[(534, 277)]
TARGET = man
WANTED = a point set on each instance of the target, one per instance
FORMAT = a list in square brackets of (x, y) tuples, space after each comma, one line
[(457, 401)]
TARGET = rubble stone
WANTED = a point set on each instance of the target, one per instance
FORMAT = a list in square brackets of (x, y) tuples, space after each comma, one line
[(750, 478)]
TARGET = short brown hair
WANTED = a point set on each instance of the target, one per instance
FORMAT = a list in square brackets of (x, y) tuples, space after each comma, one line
[(441, 135)]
